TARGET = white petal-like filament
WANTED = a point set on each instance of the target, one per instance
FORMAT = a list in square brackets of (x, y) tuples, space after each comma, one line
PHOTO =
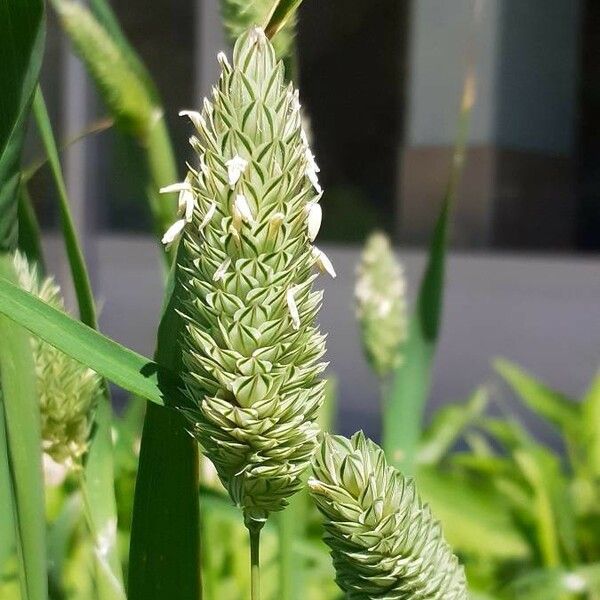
[(222, 269), (323, 262), (176, 187), (235, 167), (313, 220), (293, 308), (243, 208), (208, 216), (173, 232)]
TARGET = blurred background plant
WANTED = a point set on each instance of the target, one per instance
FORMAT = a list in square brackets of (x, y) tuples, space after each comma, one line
[(521, 514)]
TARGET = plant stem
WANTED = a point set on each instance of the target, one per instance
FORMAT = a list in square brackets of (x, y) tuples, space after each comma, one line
[(254, 528)]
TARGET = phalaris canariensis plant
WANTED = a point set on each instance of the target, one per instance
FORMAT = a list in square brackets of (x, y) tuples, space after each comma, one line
[(67, 390), (385, 542), (381, 305), (248, 217)]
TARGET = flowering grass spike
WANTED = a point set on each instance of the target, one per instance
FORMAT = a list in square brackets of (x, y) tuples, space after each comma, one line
[(251, 348), (381, 304), (385, 543), (67, 390)]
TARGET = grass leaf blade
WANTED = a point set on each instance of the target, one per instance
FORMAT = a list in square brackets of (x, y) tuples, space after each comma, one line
[(164, 558), (404, 409), (23, 428), (124, 367)]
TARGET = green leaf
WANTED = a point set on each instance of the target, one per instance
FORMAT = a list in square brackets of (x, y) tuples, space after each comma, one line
[(448, 425), (553, 406), (405, 406), (98, 487), (21, 51), (164, 555), (22, 418), (590, 410), (81, 280), (474, 519), (7, 522), (281, 13), (30, 238), (129, 370)]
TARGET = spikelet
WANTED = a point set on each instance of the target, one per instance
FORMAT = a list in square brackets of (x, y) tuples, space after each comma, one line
[(239, 15), (250, 348), (381, 305), (67, 390), (385, 543)]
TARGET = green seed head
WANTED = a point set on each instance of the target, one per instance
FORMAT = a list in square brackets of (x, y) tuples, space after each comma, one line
[(381, 305), (251, 349), (385, 542), (67, 390)]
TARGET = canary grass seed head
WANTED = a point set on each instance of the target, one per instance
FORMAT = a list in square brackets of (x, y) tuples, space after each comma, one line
[(67, 390), (381, 310), (385, 543), (251, 349)]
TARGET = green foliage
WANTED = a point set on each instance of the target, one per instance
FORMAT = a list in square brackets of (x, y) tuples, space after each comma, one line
[(404, 412), (385, 542), (165, 510), (23, 439), (126, 368), (21, 51)]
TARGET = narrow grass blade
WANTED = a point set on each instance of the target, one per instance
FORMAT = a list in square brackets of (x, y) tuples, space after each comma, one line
[(590, 408), (291, 528), (128, 92), (7, 522), (21, 51), (558, 409), (22, 417), (281, 13), (81, 280), (98, 488), (124, 367), (448, 425), (404, 409), (164, 558), (30, 239)]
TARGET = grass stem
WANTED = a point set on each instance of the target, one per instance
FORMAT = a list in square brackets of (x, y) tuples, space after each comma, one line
[(254, 528)]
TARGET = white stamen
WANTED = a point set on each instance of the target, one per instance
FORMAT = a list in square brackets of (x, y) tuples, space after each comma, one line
[(194, 116), (243, 208), (220, 272), (312, 169), (292, 307), (208, 216), (176, 187), (235, 167), (314, 216), (187, 202), (323, 263), (173, 232), (304, 137), (223, 61)]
